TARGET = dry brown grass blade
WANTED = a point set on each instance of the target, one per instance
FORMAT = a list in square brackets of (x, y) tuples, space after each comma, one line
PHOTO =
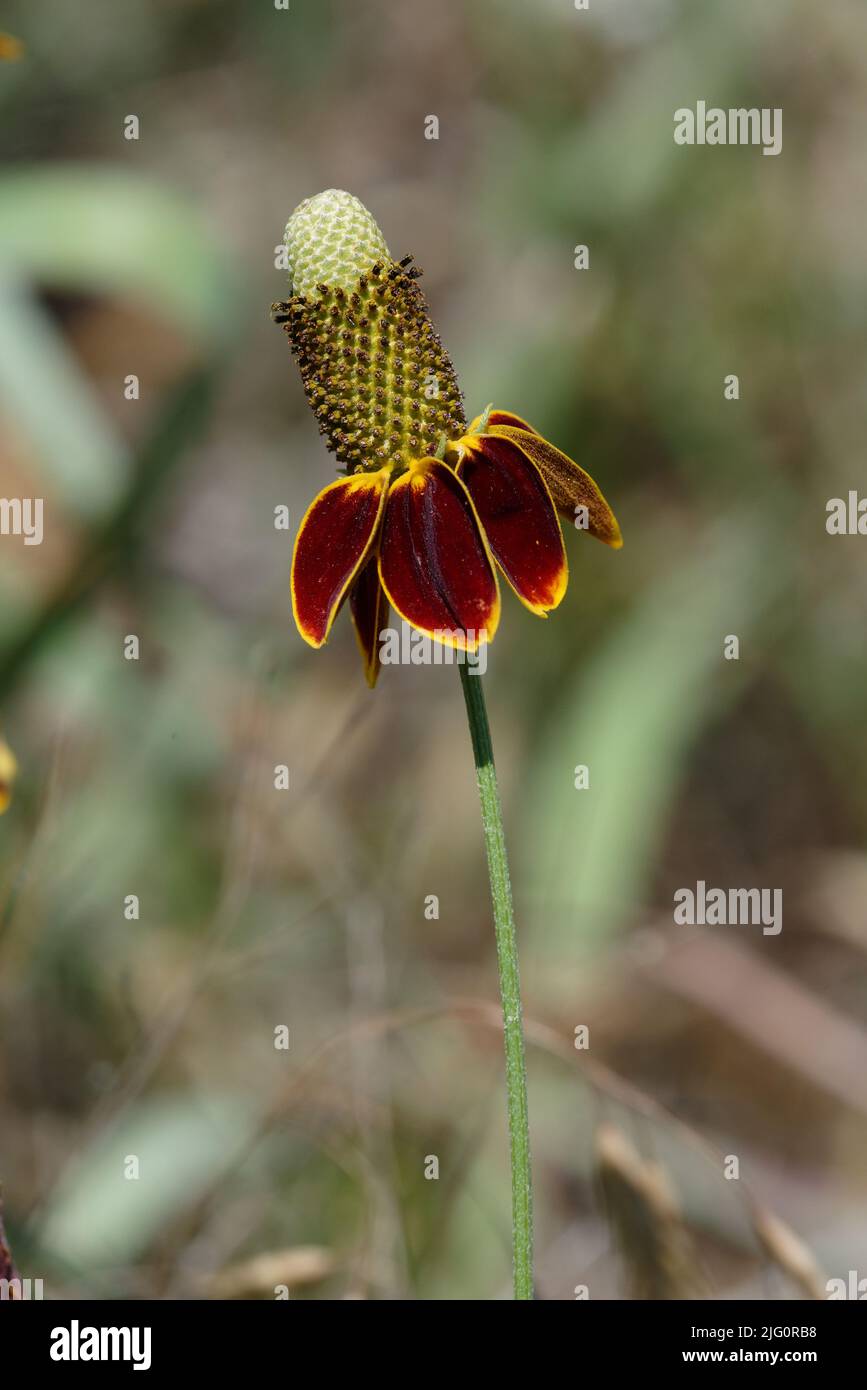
[(262, 1276), (645, 1220), (789, 1253), (774, 1012)]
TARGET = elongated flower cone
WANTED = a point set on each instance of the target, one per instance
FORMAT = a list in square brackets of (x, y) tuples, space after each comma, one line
[(374, 370)]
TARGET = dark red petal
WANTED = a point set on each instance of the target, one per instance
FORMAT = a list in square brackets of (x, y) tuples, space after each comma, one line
[(369, 608), (569, 485), (333, 542), (521, 524), (434, 563)]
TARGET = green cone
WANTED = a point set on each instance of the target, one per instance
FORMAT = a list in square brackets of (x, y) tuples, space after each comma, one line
[(375, 372)]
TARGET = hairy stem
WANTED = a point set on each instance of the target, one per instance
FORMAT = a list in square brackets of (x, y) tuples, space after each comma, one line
[(510, 990)]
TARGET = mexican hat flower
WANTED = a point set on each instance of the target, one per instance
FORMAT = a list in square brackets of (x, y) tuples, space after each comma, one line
[(427, 509)]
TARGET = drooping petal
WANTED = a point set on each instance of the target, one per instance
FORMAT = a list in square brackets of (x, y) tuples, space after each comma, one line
[(333, 542), (369, 608), (520, 522), (569, 485), (434, 562)]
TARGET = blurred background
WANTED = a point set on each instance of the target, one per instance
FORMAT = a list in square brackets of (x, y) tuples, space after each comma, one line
[(724, 1089)]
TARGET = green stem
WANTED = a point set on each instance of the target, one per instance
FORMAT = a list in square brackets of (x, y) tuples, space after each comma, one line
[(510, 989)]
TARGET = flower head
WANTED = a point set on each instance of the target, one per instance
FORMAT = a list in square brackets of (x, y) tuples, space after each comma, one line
[(428, 507)]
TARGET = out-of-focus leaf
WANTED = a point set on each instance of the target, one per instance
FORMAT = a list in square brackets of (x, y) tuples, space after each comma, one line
[(632, 718), (117, 534), (85, 463), (99, 1215), (85, 228)]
